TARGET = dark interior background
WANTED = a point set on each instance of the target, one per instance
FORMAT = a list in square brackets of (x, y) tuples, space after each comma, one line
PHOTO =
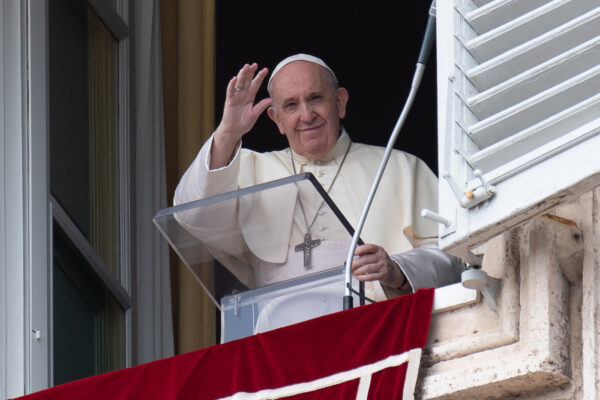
[(371, 46)]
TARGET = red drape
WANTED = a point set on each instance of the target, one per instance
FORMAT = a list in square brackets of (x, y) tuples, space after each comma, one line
[(323, 358)]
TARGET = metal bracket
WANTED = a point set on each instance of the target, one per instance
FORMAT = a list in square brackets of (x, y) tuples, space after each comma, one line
[(471, 197), (476, 278), (236, 305)]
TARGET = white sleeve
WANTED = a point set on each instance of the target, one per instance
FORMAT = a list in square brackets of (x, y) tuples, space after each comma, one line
[(199, 181), (217, 227)]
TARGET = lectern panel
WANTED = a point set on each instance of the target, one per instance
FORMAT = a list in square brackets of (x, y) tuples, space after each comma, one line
[(262, 242)]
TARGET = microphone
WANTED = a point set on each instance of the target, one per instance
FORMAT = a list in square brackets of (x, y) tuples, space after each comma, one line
[(426, 46), (429, 36)]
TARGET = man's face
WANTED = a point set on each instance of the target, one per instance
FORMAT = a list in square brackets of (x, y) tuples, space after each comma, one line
[(307, 108)]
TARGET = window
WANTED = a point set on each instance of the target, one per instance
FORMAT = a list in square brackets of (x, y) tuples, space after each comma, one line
[(90, 265), (518, 100)]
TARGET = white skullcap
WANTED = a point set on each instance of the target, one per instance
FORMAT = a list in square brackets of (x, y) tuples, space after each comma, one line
[(301, 57)]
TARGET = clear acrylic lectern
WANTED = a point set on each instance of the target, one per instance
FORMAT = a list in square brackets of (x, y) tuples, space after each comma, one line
[(250, 251)]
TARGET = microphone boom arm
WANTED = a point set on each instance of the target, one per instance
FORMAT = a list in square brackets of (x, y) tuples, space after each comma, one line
[(418, 75)]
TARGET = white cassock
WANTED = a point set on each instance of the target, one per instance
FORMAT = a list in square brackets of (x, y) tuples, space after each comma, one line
[(393, 222)]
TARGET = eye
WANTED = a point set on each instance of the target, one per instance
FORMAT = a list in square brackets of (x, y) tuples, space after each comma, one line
[(290, 106)]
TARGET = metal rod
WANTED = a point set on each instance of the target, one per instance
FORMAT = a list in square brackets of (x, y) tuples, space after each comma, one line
[(388, 151), (426, 46)]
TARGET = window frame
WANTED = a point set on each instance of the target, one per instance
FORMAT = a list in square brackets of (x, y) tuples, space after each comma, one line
[(26, 206), (13, 320), (116, 21)]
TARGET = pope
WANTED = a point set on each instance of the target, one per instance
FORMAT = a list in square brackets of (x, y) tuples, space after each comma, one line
[(307, 105)]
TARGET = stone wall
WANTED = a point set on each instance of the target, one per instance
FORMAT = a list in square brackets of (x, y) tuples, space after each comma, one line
[(542, 340)]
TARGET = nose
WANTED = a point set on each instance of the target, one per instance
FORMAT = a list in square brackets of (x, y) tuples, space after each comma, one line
[(306, 112)]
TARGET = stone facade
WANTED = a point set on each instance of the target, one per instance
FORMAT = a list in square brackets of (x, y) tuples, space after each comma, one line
[(542, 341)]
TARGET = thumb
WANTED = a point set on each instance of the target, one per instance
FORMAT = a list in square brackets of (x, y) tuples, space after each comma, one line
[(261, 106)]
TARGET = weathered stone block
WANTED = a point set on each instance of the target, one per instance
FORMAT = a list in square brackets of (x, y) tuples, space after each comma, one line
[(526, 345)]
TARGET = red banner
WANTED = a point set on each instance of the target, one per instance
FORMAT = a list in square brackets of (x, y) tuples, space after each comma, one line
[(368, 352)]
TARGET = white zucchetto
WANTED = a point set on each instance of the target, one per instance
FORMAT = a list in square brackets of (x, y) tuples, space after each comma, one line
[(301, 57)]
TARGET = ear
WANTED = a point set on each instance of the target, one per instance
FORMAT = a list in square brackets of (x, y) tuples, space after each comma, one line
[(275, 118), (342, 101)]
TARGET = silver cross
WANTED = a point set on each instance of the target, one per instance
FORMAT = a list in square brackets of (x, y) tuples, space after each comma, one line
[(307, 247)]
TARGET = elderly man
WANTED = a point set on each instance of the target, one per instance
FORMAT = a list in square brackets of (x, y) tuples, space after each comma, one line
[(307, 105)]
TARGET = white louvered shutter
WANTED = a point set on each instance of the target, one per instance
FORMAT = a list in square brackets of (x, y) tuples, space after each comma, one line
[(518, 111)]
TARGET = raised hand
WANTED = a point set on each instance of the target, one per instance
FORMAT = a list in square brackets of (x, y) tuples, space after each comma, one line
[(239, 113)]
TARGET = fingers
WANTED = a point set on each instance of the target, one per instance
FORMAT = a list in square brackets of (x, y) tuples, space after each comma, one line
[(239, 112), (366, 249), (369, 277), (247, 80), (367, 254), (369, 272), (236, 84), (231, 86), (370, 262), (258, 80), (243, 78)]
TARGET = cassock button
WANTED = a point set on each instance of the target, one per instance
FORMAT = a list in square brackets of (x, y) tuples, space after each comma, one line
[(323, 228), (319, 174)]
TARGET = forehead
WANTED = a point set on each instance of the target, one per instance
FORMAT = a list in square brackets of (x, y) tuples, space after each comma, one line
[(300, 77)]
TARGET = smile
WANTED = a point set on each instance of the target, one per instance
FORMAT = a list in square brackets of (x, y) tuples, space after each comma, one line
[(310, 129)]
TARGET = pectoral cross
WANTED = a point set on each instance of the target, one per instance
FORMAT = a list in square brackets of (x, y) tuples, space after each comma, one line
[(307, 247)]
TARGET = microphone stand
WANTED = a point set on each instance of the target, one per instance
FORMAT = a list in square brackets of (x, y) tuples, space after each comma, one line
[(418, 75)]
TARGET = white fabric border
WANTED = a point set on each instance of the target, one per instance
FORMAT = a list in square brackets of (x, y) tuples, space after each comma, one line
[(363, 388), (413, 357)]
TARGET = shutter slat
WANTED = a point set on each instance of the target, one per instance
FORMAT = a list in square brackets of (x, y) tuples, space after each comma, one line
[(482, 2), (535, 51), (542, 152), (499, 12), (527, 27), (528, 140), (536, 80), (537, 108)]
